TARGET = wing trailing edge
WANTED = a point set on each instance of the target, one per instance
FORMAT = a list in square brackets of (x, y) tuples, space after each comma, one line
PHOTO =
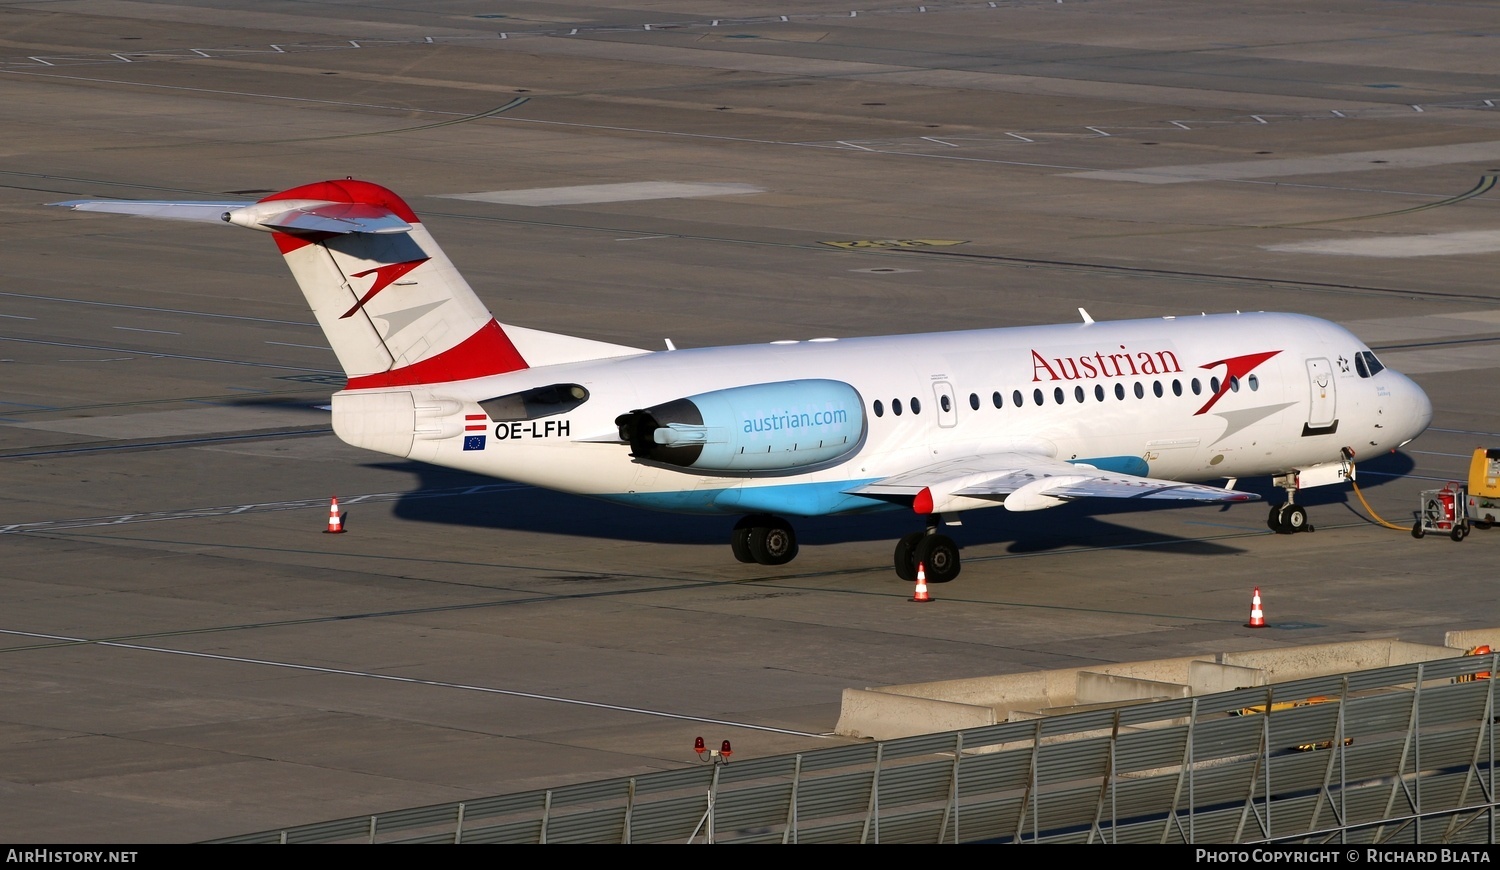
[(1028, 481)]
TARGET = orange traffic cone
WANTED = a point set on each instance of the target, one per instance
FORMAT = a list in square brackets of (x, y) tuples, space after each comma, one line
[(335, 522), (921, 597), (1257, 617)]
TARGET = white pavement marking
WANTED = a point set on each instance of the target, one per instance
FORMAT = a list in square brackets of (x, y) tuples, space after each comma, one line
[(1444, 359), (156, 331), (1433, 245), (1385, 330), (253, 508), (1450, 353), (595, 193), (189, 421), (415, 681), (1355, 161)]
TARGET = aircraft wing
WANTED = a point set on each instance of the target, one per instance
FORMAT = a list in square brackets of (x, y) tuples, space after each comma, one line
[(1030, 481)]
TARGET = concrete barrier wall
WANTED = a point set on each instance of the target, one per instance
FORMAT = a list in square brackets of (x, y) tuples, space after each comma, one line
[(1096, 688), (1296, 663), (1470, 638), (1030, 691), (1041, 689), (1205, 678), (1403, 653), (946, 705), (884, 716)]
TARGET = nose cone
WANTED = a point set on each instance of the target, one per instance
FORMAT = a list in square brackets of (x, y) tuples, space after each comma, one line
[(1419, 409)]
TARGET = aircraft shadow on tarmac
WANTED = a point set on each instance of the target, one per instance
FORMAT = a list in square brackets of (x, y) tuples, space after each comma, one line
[(530, 509)]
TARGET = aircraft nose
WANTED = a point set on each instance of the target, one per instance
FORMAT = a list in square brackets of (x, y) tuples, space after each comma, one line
[(1419, 407)]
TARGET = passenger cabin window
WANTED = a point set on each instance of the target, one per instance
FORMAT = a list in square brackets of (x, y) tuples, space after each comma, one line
[(999, 402), (1036, 396), (1120, 392), (974, 401), (1140, 391), (943, 400), (896, 407), (916, 406), (879, 409), (1098, 392)]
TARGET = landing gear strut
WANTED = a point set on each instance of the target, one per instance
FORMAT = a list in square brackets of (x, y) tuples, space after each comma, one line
[(1288, 518), (937, 554), (763, 539)]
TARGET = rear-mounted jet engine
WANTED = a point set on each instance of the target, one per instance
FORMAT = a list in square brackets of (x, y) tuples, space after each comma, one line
[(757, 428)]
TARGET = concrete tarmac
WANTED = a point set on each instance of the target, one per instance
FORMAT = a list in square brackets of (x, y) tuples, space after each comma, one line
[(183, 654)]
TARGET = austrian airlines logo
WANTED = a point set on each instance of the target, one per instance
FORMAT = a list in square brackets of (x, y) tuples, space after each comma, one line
[(384, 277), (1235, 368)]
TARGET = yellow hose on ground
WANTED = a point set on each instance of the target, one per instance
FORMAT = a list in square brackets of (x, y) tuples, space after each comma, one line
[(1371, 511)]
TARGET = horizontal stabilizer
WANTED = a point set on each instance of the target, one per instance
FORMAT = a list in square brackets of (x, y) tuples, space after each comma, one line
[(212, 212), (295, 216), (335, 217)]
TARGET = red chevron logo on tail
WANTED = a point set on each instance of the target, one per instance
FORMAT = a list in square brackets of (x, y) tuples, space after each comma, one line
[(384, 277)]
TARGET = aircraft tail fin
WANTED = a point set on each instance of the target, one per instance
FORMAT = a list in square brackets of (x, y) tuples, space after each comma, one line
[(394, 308)]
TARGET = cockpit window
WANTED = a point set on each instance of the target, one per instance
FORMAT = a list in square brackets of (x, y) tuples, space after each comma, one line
[(1367, 365)]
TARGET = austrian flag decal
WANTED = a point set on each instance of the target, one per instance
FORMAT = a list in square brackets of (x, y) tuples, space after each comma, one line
[(475, 423)]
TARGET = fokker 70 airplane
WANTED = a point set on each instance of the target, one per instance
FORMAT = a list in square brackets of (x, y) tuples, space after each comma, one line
[(1025, 417)]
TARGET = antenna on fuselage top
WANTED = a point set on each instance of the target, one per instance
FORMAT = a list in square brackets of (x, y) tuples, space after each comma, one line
[(1086, 317), (670, 345)]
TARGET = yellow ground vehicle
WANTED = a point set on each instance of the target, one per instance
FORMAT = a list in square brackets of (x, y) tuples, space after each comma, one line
[(1288, 705), (1484, 488)]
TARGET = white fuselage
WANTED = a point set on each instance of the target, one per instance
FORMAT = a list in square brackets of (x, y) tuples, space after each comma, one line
[(1292, 392)]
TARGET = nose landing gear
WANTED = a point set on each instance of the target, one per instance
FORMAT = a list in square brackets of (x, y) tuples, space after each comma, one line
[(1288, 519)]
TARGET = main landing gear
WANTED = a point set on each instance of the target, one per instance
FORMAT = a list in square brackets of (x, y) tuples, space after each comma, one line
[(769, 540), (764, 539), (937, 554)]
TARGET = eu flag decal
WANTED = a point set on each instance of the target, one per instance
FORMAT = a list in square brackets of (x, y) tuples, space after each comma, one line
[(474, 442)]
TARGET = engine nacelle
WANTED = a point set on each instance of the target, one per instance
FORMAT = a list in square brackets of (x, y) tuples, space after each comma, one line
[(761, 427)]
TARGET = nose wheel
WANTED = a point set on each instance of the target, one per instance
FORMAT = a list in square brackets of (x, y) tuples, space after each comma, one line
[(1288, 519)]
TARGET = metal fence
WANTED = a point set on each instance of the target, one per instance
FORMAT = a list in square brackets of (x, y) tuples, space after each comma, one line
[(1395, 755)]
